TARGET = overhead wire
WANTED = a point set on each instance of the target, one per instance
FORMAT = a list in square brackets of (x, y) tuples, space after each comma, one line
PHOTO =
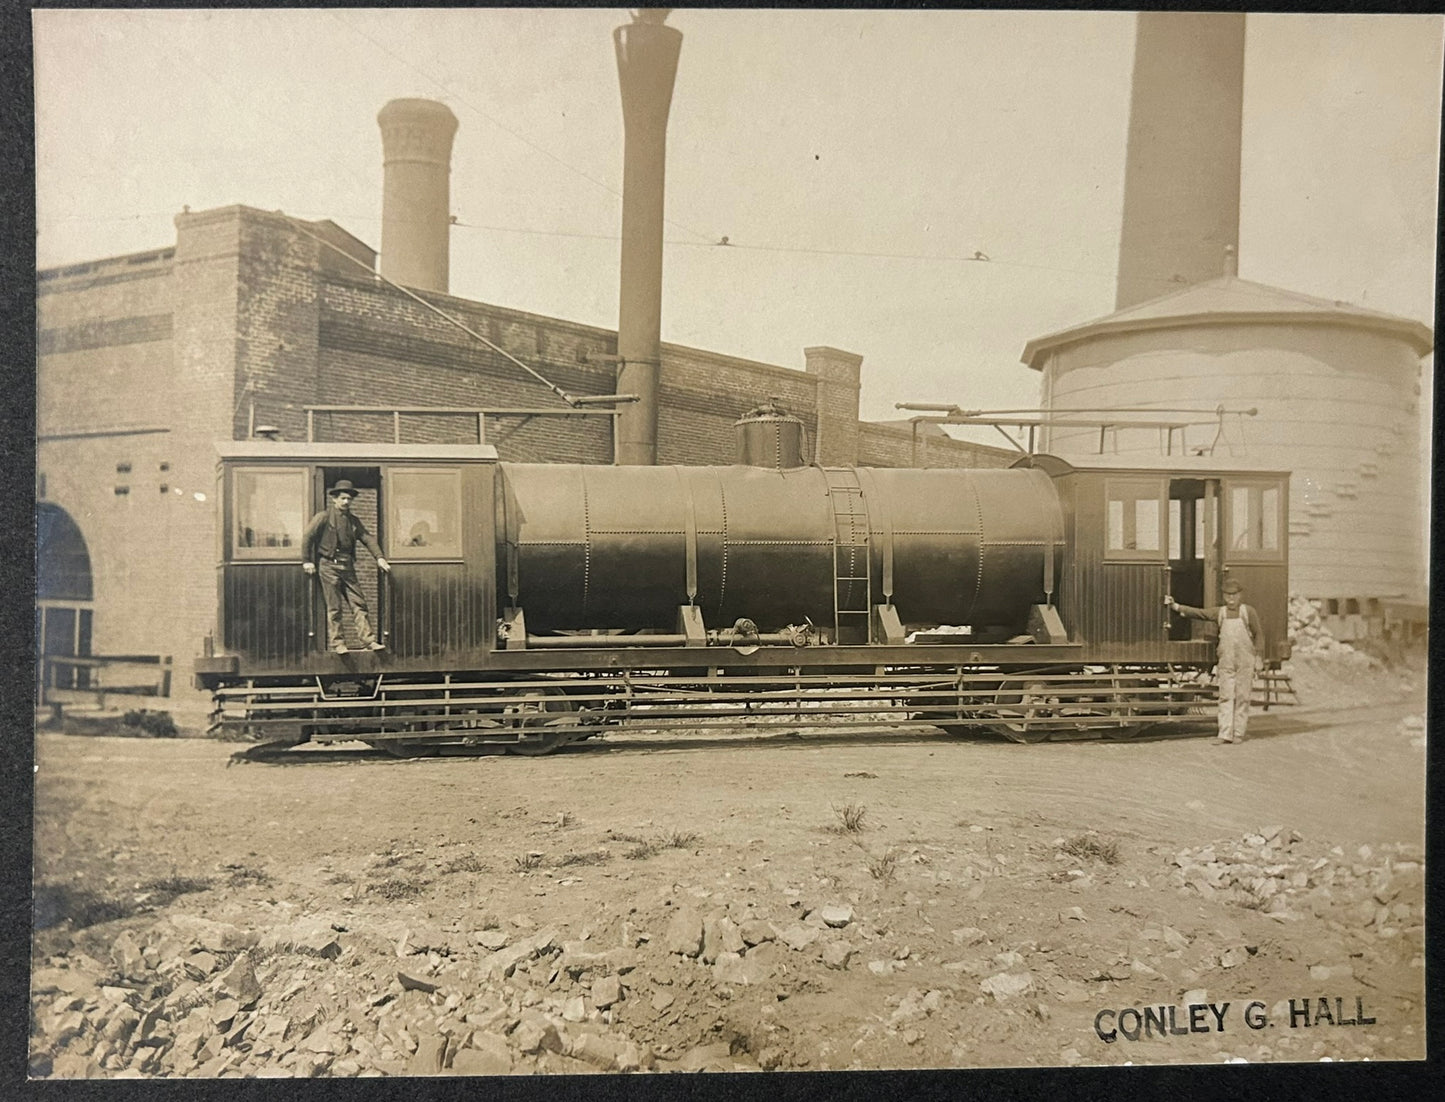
[(300, 227)]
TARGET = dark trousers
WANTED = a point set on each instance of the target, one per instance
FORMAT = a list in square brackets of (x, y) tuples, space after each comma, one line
[(338, 584)]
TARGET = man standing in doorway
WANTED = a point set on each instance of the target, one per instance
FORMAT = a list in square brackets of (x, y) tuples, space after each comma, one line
[(1240, 653), (330, 541)]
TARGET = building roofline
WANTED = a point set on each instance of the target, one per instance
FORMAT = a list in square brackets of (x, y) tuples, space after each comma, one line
[(1287, 307)]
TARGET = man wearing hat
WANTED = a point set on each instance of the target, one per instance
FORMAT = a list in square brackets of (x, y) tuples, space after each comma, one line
[(1241, 645), (331, 540)]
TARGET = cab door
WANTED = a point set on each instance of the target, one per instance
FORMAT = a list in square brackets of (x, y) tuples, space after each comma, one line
[(1196, 564), (366, 507), (1254, 548)]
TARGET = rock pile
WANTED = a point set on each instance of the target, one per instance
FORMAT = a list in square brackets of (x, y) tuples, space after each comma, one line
[(194, 997), (1374, 893), (1310, 638)]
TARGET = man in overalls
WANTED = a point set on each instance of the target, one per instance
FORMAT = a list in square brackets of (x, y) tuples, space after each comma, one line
[(1240, 653), (330, 541)]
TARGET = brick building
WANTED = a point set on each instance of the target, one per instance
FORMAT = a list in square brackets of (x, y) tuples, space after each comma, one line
[(145, 361)]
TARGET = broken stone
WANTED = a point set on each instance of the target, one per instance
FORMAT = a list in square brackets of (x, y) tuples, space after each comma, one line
[(120, 1025), (837, 954), (66, 1028), (487, 1054), (606, 991), (756, 931), (601, 1051), (972, 935), (574, 1009), (1007, 985), (798, 937), (239, 981), (223, 1011), (684, 933), (315, 939), (199, 965), (836, 915), (535, 1033), (218, 937), (125, 954), (415, 983), (1234, 957), (662, 1000), (427, 1060), (734, 969), (490, 939), (1174, 939)]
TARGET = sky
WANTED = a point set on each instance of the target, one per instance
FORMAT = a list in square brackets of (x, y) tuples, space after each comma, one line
[(855, 160)]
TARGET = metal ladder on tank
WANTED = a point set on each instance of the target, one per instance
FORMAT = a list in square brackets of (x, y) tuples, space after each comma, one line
[(852, 582)]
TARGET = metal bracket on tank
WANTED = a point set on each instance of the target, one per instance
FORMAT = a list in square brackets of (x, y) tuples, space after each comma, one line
[(887, 628), (689, 623), (512, 633), (1045, 625)]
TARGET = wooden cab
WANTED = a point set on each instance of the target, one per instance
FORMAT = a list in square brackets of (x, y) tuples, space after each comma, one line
[(1134, 534), (430, 508)]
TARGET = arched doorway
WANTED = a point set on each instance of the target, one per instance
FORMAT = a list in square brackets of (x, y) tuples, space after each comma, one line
[(63, 595)]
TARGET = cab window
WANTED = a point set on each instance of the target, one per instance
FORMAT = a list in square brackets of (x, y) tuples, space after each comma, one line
[(270, 513), (1255, 519), (1134, 517), (423, 514)]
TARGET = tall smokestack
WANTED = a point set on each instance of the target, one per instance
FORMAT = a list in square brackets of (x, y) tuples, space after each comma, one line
[(1181, 181), (647, 55), (416, 142)]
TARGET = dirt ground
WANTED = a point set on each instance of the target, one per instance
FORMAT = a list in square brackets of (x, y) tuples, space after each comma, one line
[(774, 900)]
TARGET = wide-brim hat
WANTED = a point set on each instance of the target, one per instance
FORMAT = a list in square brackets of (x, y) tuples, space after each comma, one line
[(1232, 586), (342, 487)]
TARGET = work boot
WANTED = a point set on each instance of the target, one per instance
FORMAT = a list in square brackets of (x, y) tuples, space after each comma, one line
[(339, 648), (375, 646)]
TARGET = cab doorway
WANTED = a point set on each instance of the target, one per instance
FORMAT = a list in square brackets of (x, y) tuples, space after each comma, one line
[(1194, 552), (366, 506)]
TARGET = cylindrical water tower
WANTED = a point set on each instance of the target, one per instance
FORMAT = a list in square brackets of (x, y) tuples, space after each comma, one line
[(1336, 388)]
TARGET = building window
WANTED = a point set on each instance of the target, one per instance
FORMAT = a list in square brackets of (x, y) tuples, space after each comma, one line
[(1254, 520), (1134, 519), (423, 514), (270, 513)]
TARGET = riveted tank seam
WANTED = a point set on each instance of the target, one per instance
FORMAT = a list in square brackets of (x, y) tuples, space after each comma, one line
[(978, 514), (586, 544)]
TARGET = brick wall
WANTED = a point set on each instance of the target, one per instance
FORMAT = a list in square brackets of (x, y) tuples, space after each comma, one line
[(891, 446), (147, 360)]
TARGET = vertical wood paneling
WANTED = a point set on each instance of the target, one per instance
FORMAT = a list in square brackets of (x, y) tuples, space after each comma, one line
[(265, 612)]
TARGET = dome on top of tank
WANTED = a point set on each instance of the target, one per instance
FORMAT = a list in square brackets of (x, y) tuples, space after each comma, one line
[(1230, 300)]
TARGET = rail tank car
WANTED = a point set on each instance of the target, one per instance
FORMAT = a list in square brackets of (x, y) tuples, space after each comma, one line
[(533, 605)]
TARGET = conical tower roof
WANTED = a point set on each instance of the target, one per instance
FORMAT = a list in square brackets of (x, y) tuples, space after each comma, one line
[(1230, 300)]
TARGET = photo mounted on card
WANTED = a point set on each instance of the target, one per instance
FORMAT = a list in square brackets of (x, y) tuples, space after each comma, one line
[(633, 541)]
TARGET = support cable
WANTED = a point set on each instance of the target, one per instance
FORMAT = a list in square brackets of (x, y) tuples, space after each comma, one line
[(553, 387)]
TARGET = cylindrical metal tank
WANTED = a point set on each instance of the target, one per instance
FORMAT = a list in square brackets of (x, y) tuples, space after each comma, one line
[(769, 436), (1336, 388), (582, 547)]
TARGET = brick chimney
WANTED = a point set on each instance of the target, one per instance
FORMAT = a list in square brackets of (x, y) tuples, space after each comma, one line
[(416, 142), (1181, 178)]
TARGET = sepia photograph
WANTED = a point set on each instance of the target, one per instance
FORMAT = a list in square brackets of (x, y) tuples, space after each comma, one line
[(585, 541)]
